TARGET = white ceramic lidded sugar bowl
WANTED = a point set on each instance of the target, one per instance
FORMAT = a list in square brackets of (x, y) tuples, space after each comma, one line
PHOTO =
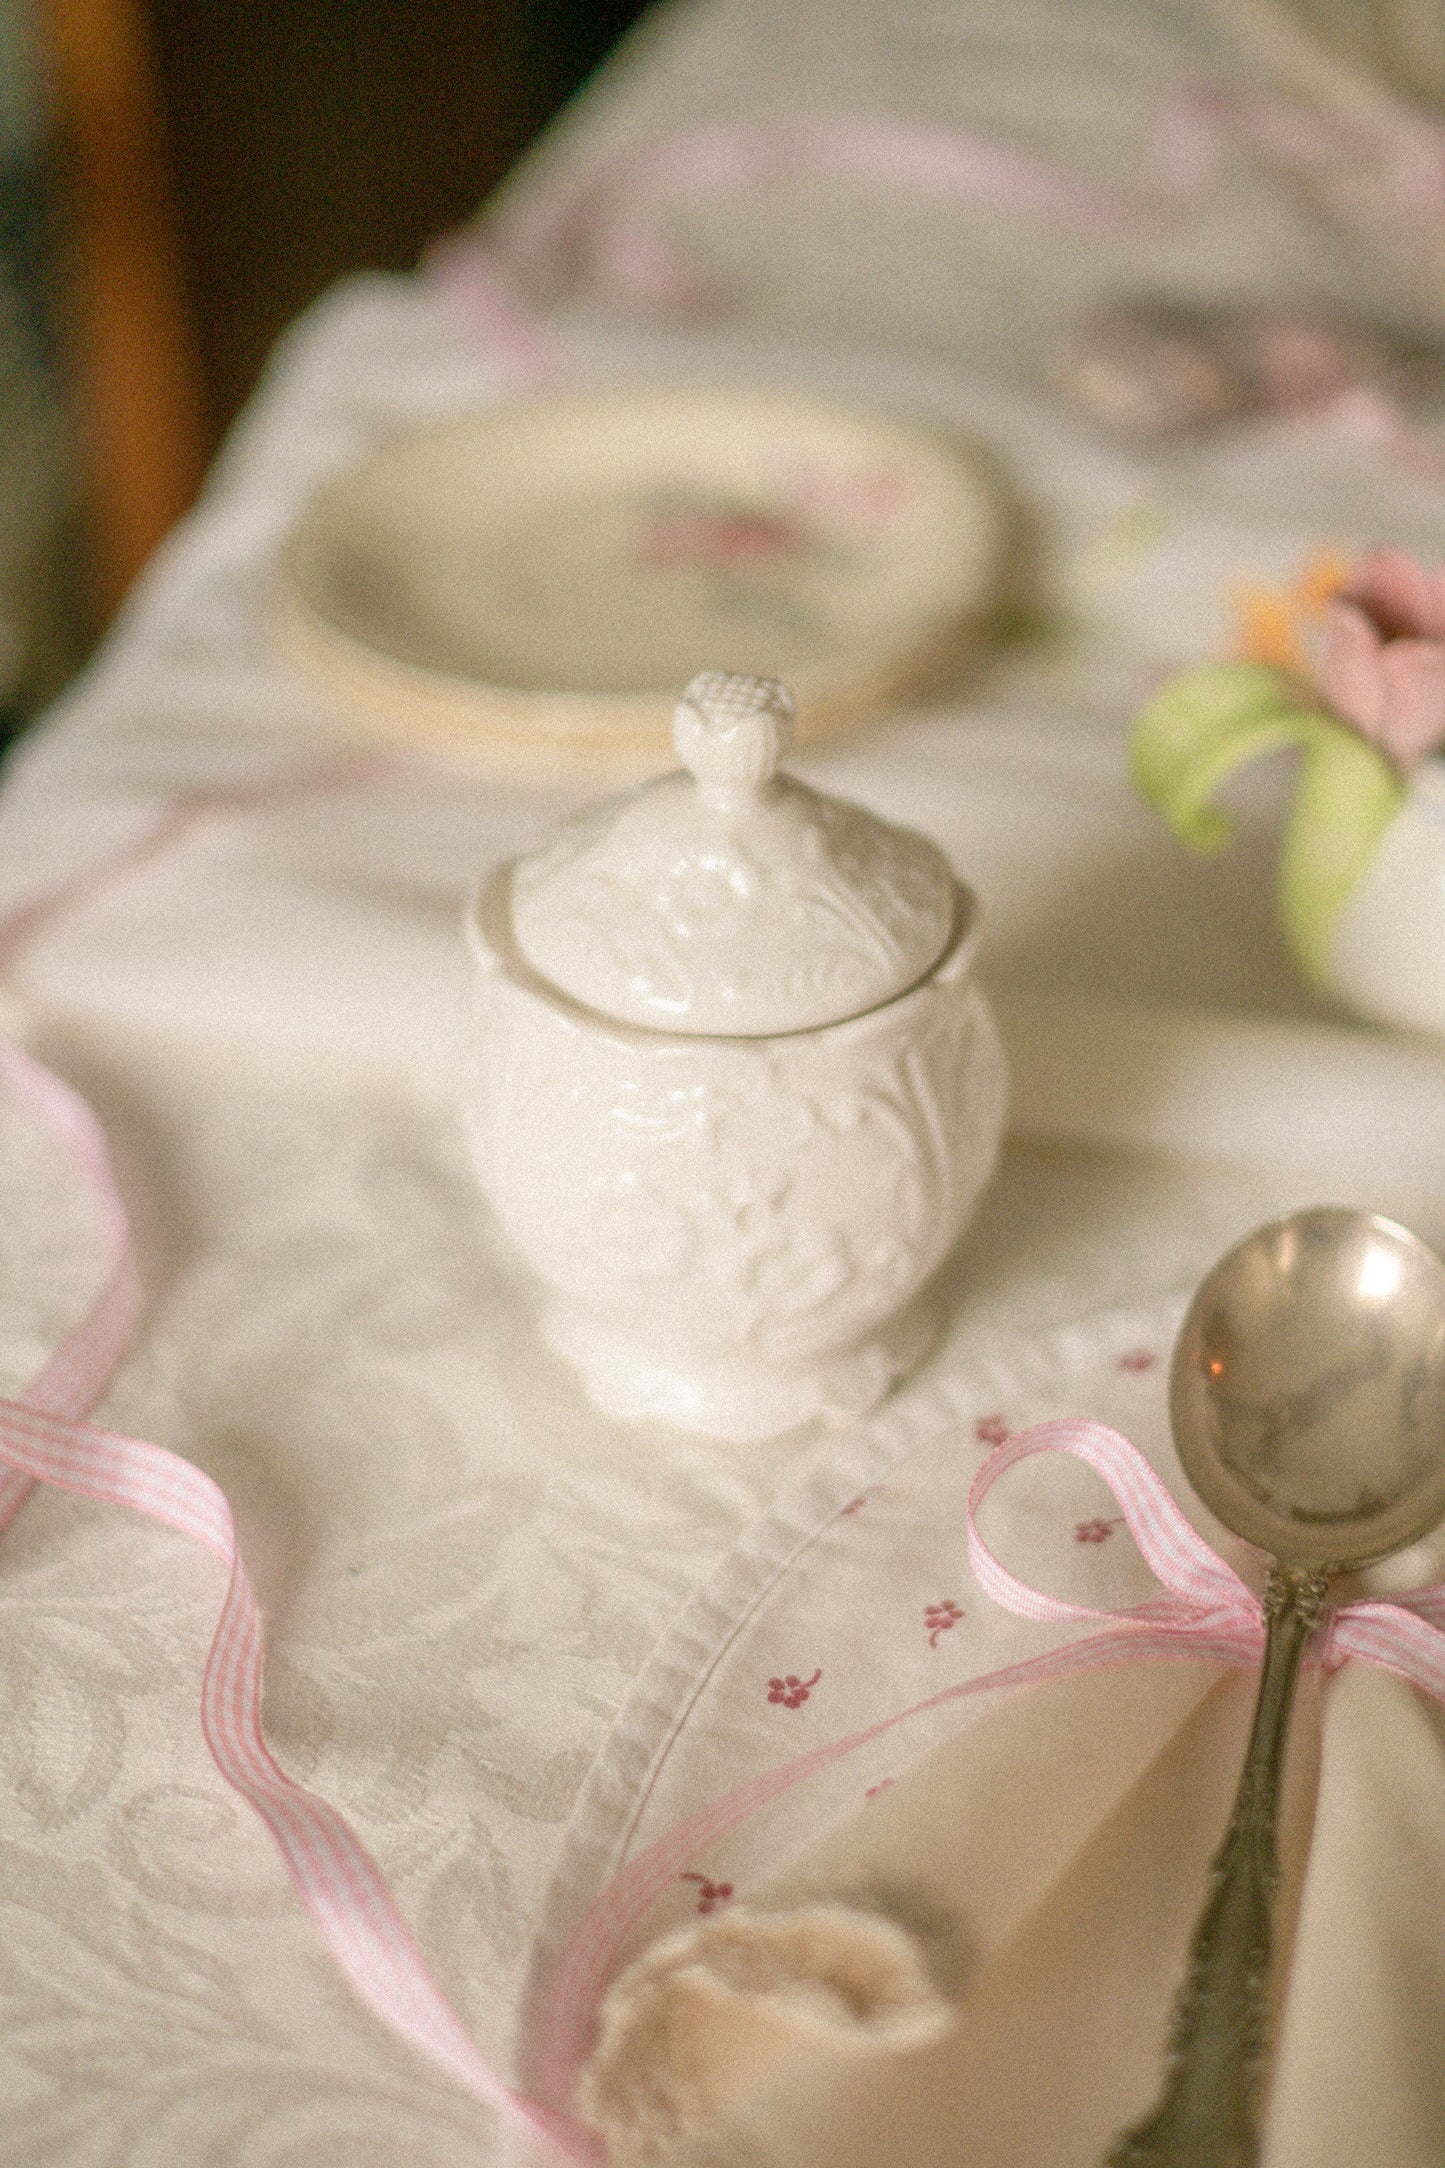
[(731, 1087)]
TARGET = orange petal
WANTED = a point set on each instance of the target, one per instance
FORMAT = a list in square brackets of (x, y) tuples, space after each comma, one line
[(1266, 629)]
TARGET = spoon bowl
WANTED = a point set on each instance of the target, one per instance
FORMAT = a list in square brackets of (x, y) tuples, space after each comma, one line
[(1308, 1389)]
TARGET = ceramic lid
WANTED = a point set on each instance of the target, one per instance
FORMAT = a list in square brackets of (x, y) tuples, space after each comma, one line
[(726, 898)]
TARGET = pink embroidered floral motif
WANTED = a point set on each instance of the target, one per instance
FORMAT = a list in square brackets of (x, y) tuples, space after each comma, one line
[(791, 1691), (1137, 1358), (709, 1894), (1096, 1531), (991, 1430), (1384, 659), (940, 1618)]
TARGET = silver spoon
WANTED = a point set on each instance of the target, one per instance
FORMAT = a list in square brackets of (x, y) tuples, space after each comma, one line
[(1308, 1403)]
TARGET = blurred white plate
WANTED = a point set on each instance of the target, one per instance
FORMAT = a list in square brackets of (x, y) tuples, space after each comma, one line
[(535, 584)]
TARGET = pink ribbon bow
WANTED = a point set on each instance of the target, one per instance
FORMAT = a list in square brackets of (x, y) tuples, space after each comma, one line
[(1209, 1610)]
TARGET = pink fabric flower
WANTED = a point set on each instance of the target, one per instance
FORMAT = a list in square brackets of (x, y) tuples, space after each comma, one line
[(1384, 657)]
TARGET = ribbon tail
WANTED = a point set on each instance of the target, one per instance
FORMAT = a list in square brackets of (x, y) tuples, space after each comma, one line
[(1395, 1638)]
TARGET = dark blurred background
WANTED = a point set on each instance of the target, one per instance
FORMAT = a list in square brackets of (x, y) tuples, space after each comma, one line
[(308, 137), (177, 179)]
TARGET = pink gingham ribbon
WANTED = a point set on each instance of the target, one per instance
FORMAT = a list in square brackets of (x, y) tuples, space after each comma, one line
[(1208, 1605), (602, 228)]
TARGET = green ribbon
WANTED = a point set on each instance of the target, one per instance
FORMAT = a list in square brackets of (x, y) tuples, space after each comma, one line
[(1203, 724)]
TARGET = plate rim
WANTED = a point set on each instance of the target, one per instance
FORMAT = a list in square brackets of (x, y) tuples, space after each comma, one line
[(550, 729)]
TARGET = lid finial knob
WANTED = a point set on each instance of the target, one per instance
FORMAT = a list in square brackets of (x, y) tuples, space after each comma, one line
[(732, 730)]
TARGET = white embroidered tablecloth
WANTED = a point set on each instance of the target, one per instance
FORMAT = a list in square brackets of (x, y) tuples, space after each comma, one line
[(466, 1573)]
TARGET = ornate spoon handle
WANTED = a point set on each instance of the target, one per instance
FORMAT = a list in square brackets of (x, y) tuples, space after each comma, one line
[(1205, 2115)]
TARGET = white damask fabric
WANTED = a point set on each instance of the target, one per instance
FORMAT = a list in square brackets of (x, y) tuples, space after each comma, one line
[(507, 1637)]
